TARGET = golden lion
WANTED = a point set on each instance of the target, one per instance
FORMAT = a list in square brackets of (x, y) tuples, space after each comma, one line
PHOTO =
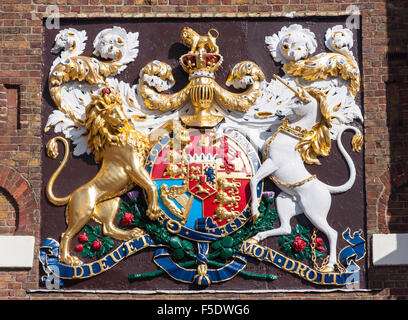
[(196, 41), (224, 199), (122, 150)]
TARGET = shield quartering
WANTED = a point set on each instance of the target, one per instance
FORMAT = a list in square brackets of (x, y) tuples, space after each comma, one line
[(209, 180)]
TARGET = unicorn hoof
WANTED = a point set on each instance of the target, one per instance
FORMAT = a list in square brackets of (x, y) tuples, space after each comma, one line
[(326, 269), (252, 241)]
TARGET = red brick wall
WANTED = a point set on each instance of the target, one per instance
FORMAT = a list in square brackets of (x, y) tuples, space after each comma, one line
[(384, 86)]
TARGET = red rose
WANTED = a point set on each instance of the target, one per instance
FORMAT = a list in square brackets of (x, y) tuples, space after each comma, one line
[(83, 238), (318, 242), (299, 244), (126, 219), (79, 247), (96, 245)]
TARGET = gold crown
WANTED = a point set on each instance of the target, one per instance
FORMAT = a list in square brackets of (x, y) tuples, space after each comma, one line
[(201, 63)]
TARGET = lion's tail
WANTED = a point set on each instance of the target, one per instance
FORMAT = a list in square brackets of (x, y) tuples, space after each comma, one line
[(52, 152)]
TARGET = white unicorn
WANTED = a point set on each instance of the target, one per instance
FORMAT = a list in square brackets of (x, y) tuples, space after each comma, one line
[(303, 136)]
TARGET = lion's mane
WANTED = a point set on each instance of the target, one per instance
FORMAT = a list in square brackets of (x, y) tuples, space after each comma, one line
[(102, 133)]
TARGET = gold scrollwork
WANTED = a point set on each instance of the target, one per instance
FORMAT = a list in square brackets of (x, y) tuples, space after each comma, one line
[(171, 223), (201, 62)]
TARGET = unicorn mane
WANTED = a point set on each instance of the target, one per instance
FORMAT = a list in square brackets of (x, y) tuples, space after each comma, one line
[(317, 141)]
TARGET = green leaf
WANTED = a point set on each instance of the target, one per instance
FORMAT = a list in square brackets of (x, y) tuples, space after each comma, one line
[(124, 207), (227, 242), (97, 230), (281, 240), (269, 201), (287, 248), (301, 229), (187, 245), (320, 254), (226, 253), (261, 207), (300, 255), (216, 245), (85, 252), (307, 253), (178, 253), (175, 242), (108, 242), (88, 229), (136, 222), (92, 238), (101, 252), (304, 237)]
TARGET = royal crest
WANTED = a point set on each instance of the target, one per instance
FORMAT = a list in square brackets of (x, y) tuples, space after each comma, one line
[(184, 172), (206, 192)]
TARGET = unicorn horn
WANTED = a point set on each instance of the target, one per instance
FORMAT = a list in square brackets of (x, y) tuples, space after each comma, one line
[(301, 95)]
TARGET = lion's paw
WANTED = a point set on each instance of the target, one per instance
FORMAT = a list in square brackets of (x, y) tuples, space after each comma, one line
[(153, 213), (70, 260), (137, 232)]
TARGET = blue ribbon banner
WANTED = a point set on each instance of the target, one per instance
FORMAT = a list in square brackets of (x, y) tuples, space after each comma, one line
[(347, 257), (162, 258), (52, 267)]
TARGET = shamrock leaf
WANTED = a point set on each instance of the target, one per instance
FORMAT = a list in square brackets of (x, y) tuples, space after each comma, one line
[(227, 253), (175, 242), (187, 245), (227, 242), (180, 246), (178, 253)]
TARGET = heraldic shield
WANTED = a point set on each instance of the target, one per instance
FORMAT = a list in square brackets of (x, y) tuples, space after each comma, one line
[(204, 188)]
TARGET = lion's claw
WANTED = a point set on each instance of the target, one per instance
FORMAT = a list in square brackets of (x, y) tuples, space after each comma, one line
[(70, 260), (153, 214)]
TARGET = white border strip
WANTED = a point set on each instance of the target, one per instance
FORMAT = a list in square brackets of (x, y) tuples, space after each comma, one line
[(390, 249), (197, 291), (16, 251)]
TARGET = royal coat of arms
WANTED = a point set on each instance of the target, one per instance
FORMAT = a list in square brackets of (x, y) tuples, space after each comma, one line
[(184, 172)]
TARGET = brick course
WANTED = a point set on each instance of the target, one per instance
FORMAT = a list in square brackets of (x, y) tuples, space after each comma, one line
[(384, 87)]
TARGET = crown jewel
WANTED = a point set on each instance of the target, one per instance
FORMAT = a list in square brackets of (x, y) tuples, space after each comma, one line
[(201, 63)]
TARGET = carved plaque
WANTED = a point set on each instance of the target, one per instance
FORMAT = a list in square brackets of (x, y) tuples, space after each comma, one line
[(212, 154)]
